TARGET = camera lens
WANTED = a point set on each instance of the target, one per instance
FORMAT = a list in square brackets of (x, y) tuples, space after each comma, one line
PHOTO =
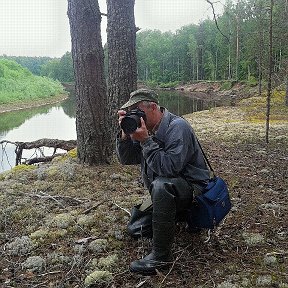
[(129, 124)]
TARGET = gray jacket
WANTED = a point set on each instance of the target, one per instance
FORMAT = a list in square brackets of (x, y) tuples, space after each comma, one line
[(172, 152)]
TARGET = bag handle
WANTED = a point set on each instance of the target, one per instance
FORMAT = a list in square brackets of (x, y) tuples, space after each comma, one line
[(207, 161)]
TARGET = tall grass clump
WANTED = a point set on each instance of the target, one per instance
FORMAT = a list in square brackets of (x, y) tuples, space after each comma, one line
[(19, 84)]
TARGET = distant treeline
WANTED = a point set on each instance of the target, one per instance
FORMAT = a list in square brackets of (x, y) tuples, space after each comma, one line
[(60, 69), (235, 47), (235, 50)]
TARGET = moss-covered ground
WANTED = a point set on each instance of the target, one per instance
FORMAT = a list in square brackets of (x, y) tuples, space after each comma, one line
[(63, 224)]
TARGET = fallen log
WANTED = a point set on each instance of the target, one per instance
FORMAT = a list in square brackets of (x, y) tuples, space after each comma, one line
[(66, 145)]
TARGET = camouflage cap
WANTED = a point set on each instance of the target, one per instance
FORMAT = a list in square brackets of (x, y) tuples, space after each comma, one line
[(141, 95)]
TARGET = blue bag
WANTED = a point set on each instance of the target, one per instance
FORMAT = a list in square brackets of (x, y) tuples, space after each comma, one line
[(209, 208)]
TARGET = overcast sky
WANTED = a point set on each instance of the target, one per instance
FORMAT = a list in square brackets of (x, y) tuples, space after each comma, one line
[(41, 27)]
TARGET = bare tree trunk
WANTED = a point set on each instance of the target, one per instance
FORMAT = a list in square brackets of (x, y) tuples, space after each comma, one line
[(286, 96), (121, 41), (260, 61), (237, 48), (270, 71), (91, 101)]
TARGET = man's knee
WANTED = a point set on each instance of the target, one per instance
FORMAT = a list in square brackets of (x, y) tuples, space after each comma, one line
[(162, 187), (159, 184)]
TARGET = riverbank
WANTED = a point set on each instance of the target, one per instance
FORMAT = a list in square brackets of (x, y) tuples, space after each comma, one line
[(201, 90), (61, 221), (32, 103)]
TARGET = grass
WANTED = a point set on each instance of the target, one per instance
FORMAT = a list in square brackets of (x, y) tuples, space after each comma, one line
[(19, 84), (255, 108)]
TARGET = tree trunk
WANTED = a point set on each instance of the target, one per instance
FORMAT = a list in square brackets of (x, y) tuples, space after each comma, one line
[(237, 48), (121, 41), (270, 72), (91, 101), (286, 96)]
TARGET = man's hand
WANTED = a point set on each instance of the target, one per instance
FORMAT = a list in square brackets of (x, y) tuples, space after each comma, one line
[(121, 115), (141, 134)]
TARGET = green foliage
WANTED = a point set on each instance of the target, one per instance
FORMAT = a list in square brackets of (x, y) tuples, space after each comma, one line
[(33, 64), (169, 84), (18, 83), (59, 69), (226, 85), (252, 81), (235, 51)]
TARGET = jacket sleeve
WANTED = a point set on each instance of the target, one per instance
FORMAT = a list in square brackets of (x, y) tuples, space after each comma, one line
[(179, 146), (129, 152)]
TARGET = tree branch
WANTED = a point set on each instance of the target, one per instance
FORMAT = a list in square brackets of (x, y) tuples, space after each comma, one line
[(51, 143), (215, 20)]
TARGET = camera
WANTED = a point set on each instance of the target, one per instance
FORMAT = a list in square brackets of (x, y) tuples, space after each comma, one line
[(131, 120)]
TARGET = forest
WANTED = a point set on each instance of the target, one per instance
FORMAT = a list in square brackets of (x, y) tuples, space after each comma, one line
[(235, 47)]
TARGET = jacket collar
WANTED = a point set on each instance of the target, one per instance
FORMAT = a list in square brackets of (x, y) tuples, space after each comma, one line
[(164, 124)]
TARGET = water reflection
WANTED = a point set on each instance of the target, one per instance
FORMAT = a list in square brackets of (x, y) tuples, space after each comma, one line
[(68, 105), (54, 124), (58, 122), (181, 104), (50, 121)]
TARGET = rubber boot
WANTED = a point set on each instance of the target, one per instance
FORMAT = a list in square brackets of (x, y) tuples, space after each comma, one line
[(163, 224), (161, 256)]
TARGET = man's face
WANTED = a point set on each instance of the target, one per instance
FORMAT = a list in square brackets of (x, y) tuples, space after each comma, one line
[(149, 111)]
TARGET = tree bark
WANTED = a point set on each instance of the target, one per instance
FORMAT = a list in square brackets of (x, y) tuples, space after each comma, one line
[(286, 95), (122, 63), (269, 86), (91, 100)]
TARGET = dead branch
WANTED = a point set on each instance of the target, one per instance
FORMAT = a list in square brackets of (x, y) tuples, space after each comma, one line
[(41, 159), (215, 20), (93, 207), (50, 143), (44, 195)]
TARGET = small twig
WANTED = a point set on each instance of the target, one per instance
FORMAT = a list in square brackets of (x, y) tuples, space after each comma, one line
[(39, 284), (85, 240), (47, 196), (173, 264), (124, 209), (141, 283), (49, 273), (93, 207), (277, 253), (208, 236)]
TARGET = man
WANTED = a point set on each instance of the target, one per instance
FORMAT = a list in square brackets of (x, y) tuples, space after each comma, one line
[(172, 167)]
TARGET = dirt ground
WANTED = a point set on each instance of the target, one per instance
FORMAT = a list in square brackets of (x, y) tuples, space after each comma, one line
[(63, 224)]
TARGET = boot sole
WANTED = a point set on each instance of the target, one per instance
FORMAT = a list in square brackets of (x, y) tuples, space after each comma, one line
[(152, 272), (144, 273)]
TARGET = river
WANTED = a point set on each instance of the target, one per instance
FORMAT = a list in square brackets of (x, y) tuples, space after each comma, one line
[(58, 122)]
